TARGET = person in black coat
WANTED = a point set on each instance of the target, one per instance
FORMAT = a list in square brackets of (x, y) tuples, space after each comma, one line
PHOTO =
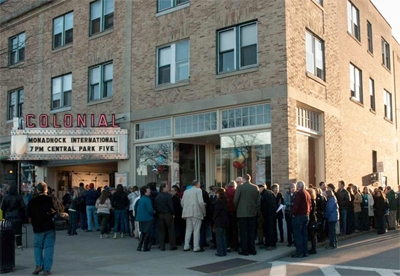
[(120, 203), (268, 210), (207, 218), (221, 222), (179, 222), (321, 221), (380, 207), (165, 210), (279, 215), (312, 223)]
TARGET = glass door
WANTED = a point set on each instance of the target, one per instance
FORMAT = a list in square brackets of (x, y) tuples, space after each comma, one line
[(192, 163)]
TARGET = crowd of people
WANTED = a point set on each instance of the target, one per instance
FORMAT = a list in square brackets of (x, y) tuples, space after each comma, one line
[(239, 217)]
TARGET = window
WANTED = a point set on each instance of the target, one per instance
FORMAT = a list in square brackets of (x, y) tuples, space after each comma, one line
[(374, 161), (196, 123), (321, 2), (370, 44), (101, 16), (15, 104), (356, 83), (173, 62), (353, 20), (307, 119), (246, 116), (167, 4), (237, 47), (61, 91), (385, 54), (387, 101), (315, 56), (63, 30), (100, 82), (17, 49), (372, 93), (153, 129)]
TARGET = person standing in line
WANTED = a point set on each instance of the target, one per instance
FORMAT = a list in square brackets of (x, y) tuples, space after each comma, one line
[(247, 202), (103, 206), (300, 212), (194, 210), (279, 215), (221, 222), (260, 217), (358, 201), (321, 221), (207, 217), (213, 201), (332, 216), (392, 197), (131, 197), (289, 195), (351, 223), (343, 198), (232, 233), (145, 216), (179, 223), (91, 196), (119, 202), (73, 212), (368, 209), (13, 208), (42, 211), (322, 186), (268, 210), (165, 210), (83, 221), (380, 207), (312, 223)]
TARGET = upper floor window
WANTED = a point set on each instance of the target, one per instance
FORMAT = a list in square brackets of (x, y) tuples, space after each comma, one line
[(173, 62), (101, 16), (63, 30), (387, 101), (168, 4), (370, 43), (385, 54), (372, 93), (61, 91), (237, 47), (17, 49), (100, 81), (15, 103), (356, 83), (315, 56), (353, 20), (321, 2)]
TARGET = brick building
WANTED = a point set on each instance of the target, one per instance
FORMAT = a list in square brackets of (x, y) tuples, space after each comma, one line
[(209, 90)]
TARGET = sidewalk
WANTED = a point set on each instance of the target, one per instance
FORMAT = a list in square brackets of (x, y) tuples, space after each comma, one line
[(87, 254)]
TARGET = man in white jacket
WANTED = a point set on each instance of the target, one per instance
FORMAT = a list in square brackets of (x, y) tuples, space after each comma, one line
[(194, 210)]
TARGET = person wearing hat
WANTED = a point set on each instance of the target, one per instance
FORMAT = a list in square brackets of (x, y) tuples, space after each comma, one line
[(91, 196)]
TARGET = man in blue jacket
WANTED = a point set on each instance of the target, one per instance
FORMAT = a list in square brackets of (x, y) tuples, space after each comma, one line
[(91, 196)]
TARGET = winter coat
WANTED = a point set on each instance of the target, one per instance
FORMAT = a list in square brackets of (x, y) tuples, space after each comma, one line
[(247, 200), (268, 205), (163, 204), (332, 210), (392, 197), (230, 194), (103, 208), (368, 202), (41, 211), (91, 197), (221, 216), (343, 199), (13, 206), (321, 206), (380, 206), (132, 197), (145, 210), (193, 204), (119, 201), (357, 202), (288, 202)]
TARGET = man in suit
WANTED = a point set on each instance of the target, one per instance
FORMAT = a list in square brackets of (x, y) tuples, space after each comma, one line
[(247, 202), (194, 210)]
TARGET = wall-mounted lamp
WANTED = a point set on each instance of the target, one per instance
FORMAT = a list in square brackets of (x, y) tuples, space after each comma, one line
[(10, 171)]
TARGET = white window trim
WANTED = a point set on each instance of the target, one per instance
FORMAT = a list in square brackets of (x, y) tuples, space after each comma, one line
[(62, 106), (199, 133), (357, 95), (388, 101), (240, 46), (101, 81), (234, 50), (314, 41), (173, 9)]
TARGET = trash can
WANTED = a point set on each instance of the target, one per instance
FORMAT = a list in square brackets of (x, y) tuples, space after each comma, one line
[(7, 250)]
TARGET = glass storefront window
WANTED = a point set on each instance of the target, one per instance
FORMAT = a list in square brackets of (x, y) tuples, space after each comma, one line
[(154, 164), (196, 123), (153, 129), (246, 116), (246, 154)]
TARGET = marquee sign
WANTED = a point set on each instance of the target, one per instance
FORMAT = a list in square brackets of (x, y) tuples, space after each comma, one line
[(73, 143)]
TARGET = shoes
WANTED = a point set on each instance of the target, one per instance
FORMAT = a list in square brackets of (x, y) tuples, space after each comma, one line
[(228, 250), (115, 236), (105, 236), (200, 250), (213, 247), (38, 269), (271, 248), (330, 247), (101, 237), (88, 230), (162, 249), (289, 245), (174, 248), (186, 250), (138, 249), (259, 243), (145, 250), (253, 253), (206, 245), (122, 235), (243, 254), (312, 252), (98, 230), (296, 255), (46, 272), (19, 246), (219, 255)]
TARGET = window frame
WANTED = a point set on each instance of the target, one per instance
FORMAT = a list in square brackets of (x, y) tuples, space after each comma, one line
[(386, 54), (356, 35), (173, 5), (372, 93), (314, 40), (237, 47), (62, 104), (388, 102), (101, 81), (16, 105), (173, 73), (370, 37), (63, 31), (10, 48), (354, 97), (102, 17)]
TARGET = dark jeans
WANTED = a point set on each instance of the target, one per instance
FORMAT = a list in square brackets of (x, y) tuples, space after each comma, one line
[(103, 218), (73, 217), (365, 223), (166, 223), (270, 231), (232, 233), (381, 221), (357, 220), (83, 220), (248, 234), (350, 224), (332, 233), (221, 241), (119, 225), (43, 248), (279, 220), (300, 231), (288, 218), (313, 239), (17, 226), (343, 221), (203, 233)]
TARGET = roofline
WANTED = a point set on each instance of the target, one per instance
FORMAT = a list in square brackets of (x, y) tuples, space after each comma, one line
[(380, 13)]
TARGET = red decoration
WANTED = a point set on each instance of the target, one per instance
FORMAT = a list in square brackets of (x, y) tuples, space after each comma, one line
[(237, 165), (242, 166)]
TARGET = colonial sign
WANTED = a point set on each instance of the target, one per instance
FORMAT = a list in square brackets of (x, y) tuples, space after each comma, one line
[(56, 144)]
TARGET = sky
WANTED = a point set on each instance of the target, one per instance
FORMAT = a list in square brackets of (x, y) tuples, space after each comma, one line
[(390, 9)]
